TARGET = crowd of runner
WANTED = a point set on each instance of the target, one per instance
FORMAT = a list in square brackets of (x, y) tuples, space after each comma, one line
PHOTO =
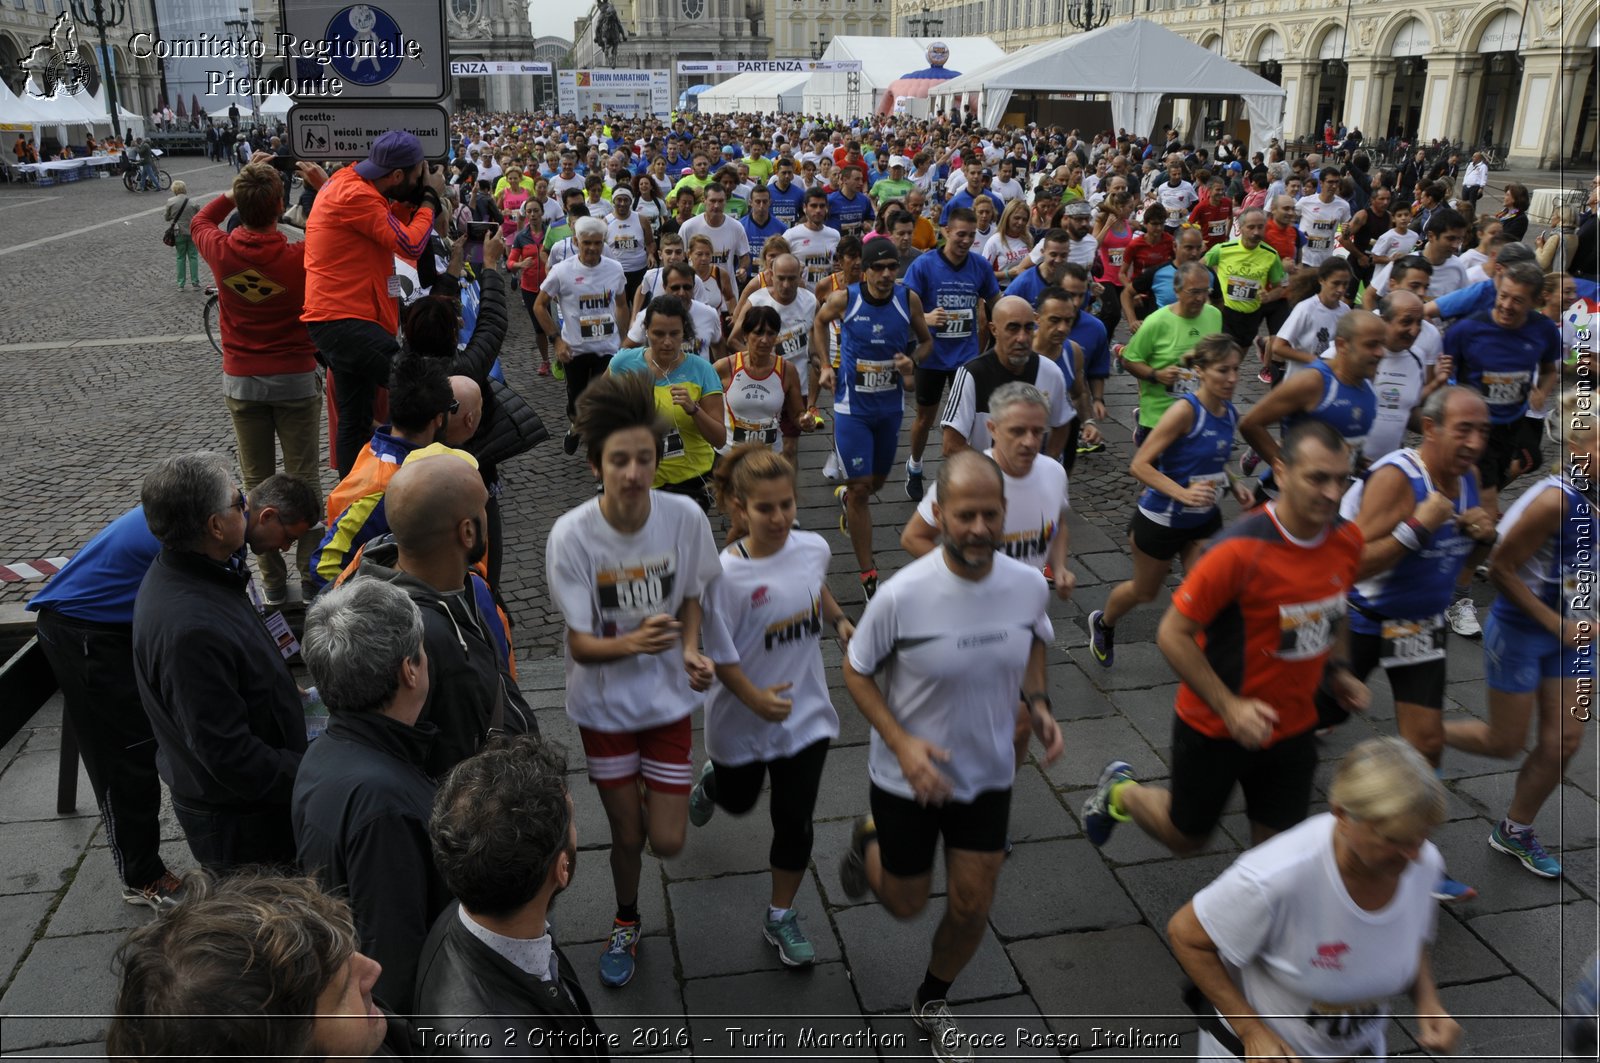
[(710, 290)]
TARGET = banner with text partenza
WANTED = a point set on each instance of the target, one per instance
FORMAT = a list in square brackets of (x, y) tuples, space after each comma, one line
[(770, 66)]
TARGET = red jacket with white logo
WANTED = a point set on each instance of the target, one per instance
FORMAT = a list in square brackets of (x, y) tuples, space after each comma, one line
[(261, 284)]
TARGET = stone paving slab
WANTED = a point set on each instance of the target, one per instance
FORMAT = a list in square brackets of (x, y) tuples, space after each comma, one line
[(1110, 979), (810, 1013), (724, 917), (1549, 945), (887, 957), (68, 986)]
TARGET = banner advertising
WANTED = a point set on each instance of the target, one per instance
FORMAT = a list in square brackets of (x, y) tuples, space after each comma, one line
[(492, 68), (770, 66), (624, 92)]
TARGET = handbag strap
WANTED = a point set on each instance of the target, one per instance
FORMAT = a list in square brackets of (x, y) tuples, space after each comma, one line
[(181, 208)]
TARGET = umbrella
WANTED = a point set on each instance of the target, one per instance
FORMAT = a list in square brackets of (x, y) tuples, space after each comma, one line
[(181, 113), (194, 106)]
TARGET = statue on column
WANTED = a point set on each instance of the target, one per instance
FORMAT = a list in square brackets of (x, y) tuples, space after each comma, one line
[(608, 31)]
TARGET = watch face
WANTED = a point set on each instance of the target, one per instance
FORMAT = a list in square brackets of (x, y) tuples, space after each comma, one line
[(693, 8)]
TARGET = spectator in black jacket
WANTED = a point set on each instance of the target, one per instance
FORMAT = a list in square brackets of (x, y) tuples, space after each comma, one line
[(506, 840), (254, 968), (229, 725), (435, 507), (362, 798)]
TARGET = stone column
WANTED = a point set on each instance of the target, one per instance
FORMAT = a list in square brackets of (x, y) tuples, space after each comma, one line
[(1454, 81), (1367, 92), (1546, 105), (1300, 82)]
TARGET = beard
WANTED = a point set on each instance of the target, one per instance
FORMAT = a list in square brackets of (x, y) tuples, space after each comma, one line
[(480, 546), (956, 550)]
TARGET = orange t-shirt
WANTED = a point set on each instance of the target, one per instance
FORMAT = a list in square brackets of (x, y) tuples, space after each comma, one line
[(1268, 608), (352, 236)]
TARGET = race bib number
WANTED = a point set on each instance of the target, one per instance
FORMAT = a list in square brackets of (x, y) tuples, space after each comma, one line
[(1219, 227), (1351, 1024), (628, 593), (747, 432), (816, 271), (1407, 642), (1188, 381), (792, 346), (1218, 482), (1244, 289), (1320, 243), (593, 328), (625, 243), (1115, 255), (673, 445), (875, 377), (1306, 630), (958, 325), (1505, 389)]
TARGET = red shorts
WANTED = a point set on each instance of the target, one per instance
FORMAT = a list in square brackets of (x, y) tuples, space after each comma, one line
[(660, 754)]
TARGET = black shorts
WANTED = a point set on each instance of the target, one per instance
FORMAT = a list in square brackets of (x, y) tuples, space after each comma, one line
[(1164, 543), (931, 383), (1243, 327), (908, 832), (1521, 440), (695, 487), (1276, 780)]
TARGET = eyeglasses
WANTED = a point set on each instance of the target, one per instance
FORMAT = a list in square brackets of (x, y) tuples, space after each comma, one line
[(242, 504), (454, 407)]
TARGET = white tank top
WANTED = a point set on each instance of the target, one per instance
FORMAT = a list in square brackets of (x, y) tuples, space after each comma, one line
[(754, 404), (625, 242)]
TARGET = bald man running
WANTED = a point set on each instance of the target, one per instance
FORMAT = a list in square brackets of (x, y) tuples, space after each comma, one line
[(966, 629), (436, 514)]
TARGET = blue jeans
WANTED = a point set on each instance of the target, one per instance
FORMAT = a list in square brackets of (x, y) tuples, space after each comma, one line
[(148, 178)]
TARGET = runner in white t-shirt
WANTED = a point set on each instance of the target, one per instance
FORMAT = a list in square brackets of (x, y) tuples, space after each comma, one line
[(955, 634), (730, 244), (1411, 370), (589, 294), (679, 280), (812, 241), (1304, 938), (1309, 329), (1320, 218), (769, 714), (628, 570)]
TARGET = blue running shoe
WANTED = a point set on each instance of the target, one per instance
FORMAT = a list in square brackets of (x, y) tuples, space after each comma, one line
[(1102, 640), (1448, 891), (1099, 820), (621, 956), (914, 488), (1524, 845)]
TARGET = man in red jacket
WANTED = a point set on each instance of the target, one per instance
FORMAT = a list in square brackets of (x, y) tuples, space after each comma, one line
[(363, 217), (269, 362)]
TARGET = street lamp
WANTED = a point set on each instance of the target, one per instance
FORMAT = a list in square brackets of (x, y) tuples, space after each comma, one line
[(1086, 15), (819, 45), (926, 25), (104, 13), (253, 62)]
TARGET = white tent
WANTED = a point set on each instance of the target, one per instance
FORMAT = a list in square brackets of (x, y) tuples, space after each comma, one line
[(275, 106), (884, 59), (756, 92), (1136, 64), (131, 122)]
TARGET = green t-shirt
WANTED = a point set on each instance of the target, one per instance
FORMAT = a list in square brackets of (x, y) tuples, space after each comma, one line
[(1162, 341), (760, 168), (888, 188), (555, 234), (1244, 274), (690, 181)]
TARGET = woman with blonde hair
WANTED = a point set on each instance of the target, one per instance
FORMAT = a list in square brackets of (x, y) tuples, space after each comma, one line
[(179, 213), (1007, 250), (1295, 947)]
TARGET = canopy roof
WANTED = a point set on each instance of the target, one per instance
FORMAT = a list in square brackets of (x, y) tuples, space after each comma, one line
[(772, 91), (1136, 63), (883, 61)]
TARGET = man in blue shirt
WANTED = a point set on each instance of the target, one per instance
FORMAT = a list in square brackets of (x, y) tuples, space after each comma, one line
[(849, 209), (977, 185), (759, 224), (85, 628), (1476, 298), (957, 290), (1511, 354), (788, 198), (1089, 333)]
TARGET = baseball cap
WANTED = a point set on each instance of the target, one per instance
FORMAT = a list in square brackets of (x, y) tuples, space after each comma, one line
[(395, 150), (900, 161), (727, 149), (879, 251)]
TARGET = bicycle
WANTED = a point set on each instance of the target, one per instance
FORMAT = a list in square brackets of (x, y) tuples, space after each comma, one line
[(208, 315), (132, 179)]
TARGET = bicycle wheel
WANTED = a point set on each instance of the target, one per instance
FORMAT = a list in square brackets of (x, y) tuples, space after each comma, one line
[(127, 180), (213, 327), (166, 180)]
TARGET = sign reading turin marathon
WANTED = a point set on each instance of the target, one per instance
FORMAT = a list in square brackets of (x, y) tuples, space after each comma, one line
[(394, 63), (770, 66), (625, 92)]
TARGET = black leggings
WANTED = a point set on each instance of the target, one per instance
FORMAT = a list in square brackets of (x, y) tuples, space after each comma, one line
[(794, 797)]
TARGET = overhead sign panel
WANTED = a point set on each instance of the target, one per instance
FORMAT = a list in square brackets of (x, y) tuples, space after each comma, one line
[(624, 92), (770, 66), (343, 132), (492, 68), (384, 49)]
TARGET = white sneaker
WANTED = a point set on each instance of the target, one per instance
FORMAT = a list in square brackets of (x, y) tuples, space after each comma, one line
[(944, 1036), (1463, 617), (830, 468)]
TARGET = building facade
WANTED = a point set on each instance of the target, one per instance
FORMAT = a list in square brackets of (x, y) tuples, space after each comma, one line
[(802, 28), (1519, 76), (26, 23), (662, 32)]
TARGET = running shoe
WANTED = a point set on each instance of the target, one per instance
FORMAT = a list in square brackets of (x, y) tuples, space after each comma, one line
[(794, 948), (1448, 891), (853, 864), (570, 443), (1525, 846), (1116, 357), (1091, 448), (914, 486), (869, 583), (1099, 819), (544, 368), (165, 892), (558, 370), (701, 806), (814, 418), (944, 1036), (830, 468), (844, 510), (621, 957), (1464, 619), (1248, 462), (1102, 640), (275, 596)]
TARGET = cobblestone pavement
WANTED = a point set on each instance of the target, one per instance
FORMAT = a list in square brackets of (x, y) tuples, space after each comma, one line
[(109, 372)]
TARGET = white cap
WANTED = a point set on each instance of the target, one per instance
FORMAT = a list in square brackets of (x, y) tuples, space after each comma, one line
[(900, 161)]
